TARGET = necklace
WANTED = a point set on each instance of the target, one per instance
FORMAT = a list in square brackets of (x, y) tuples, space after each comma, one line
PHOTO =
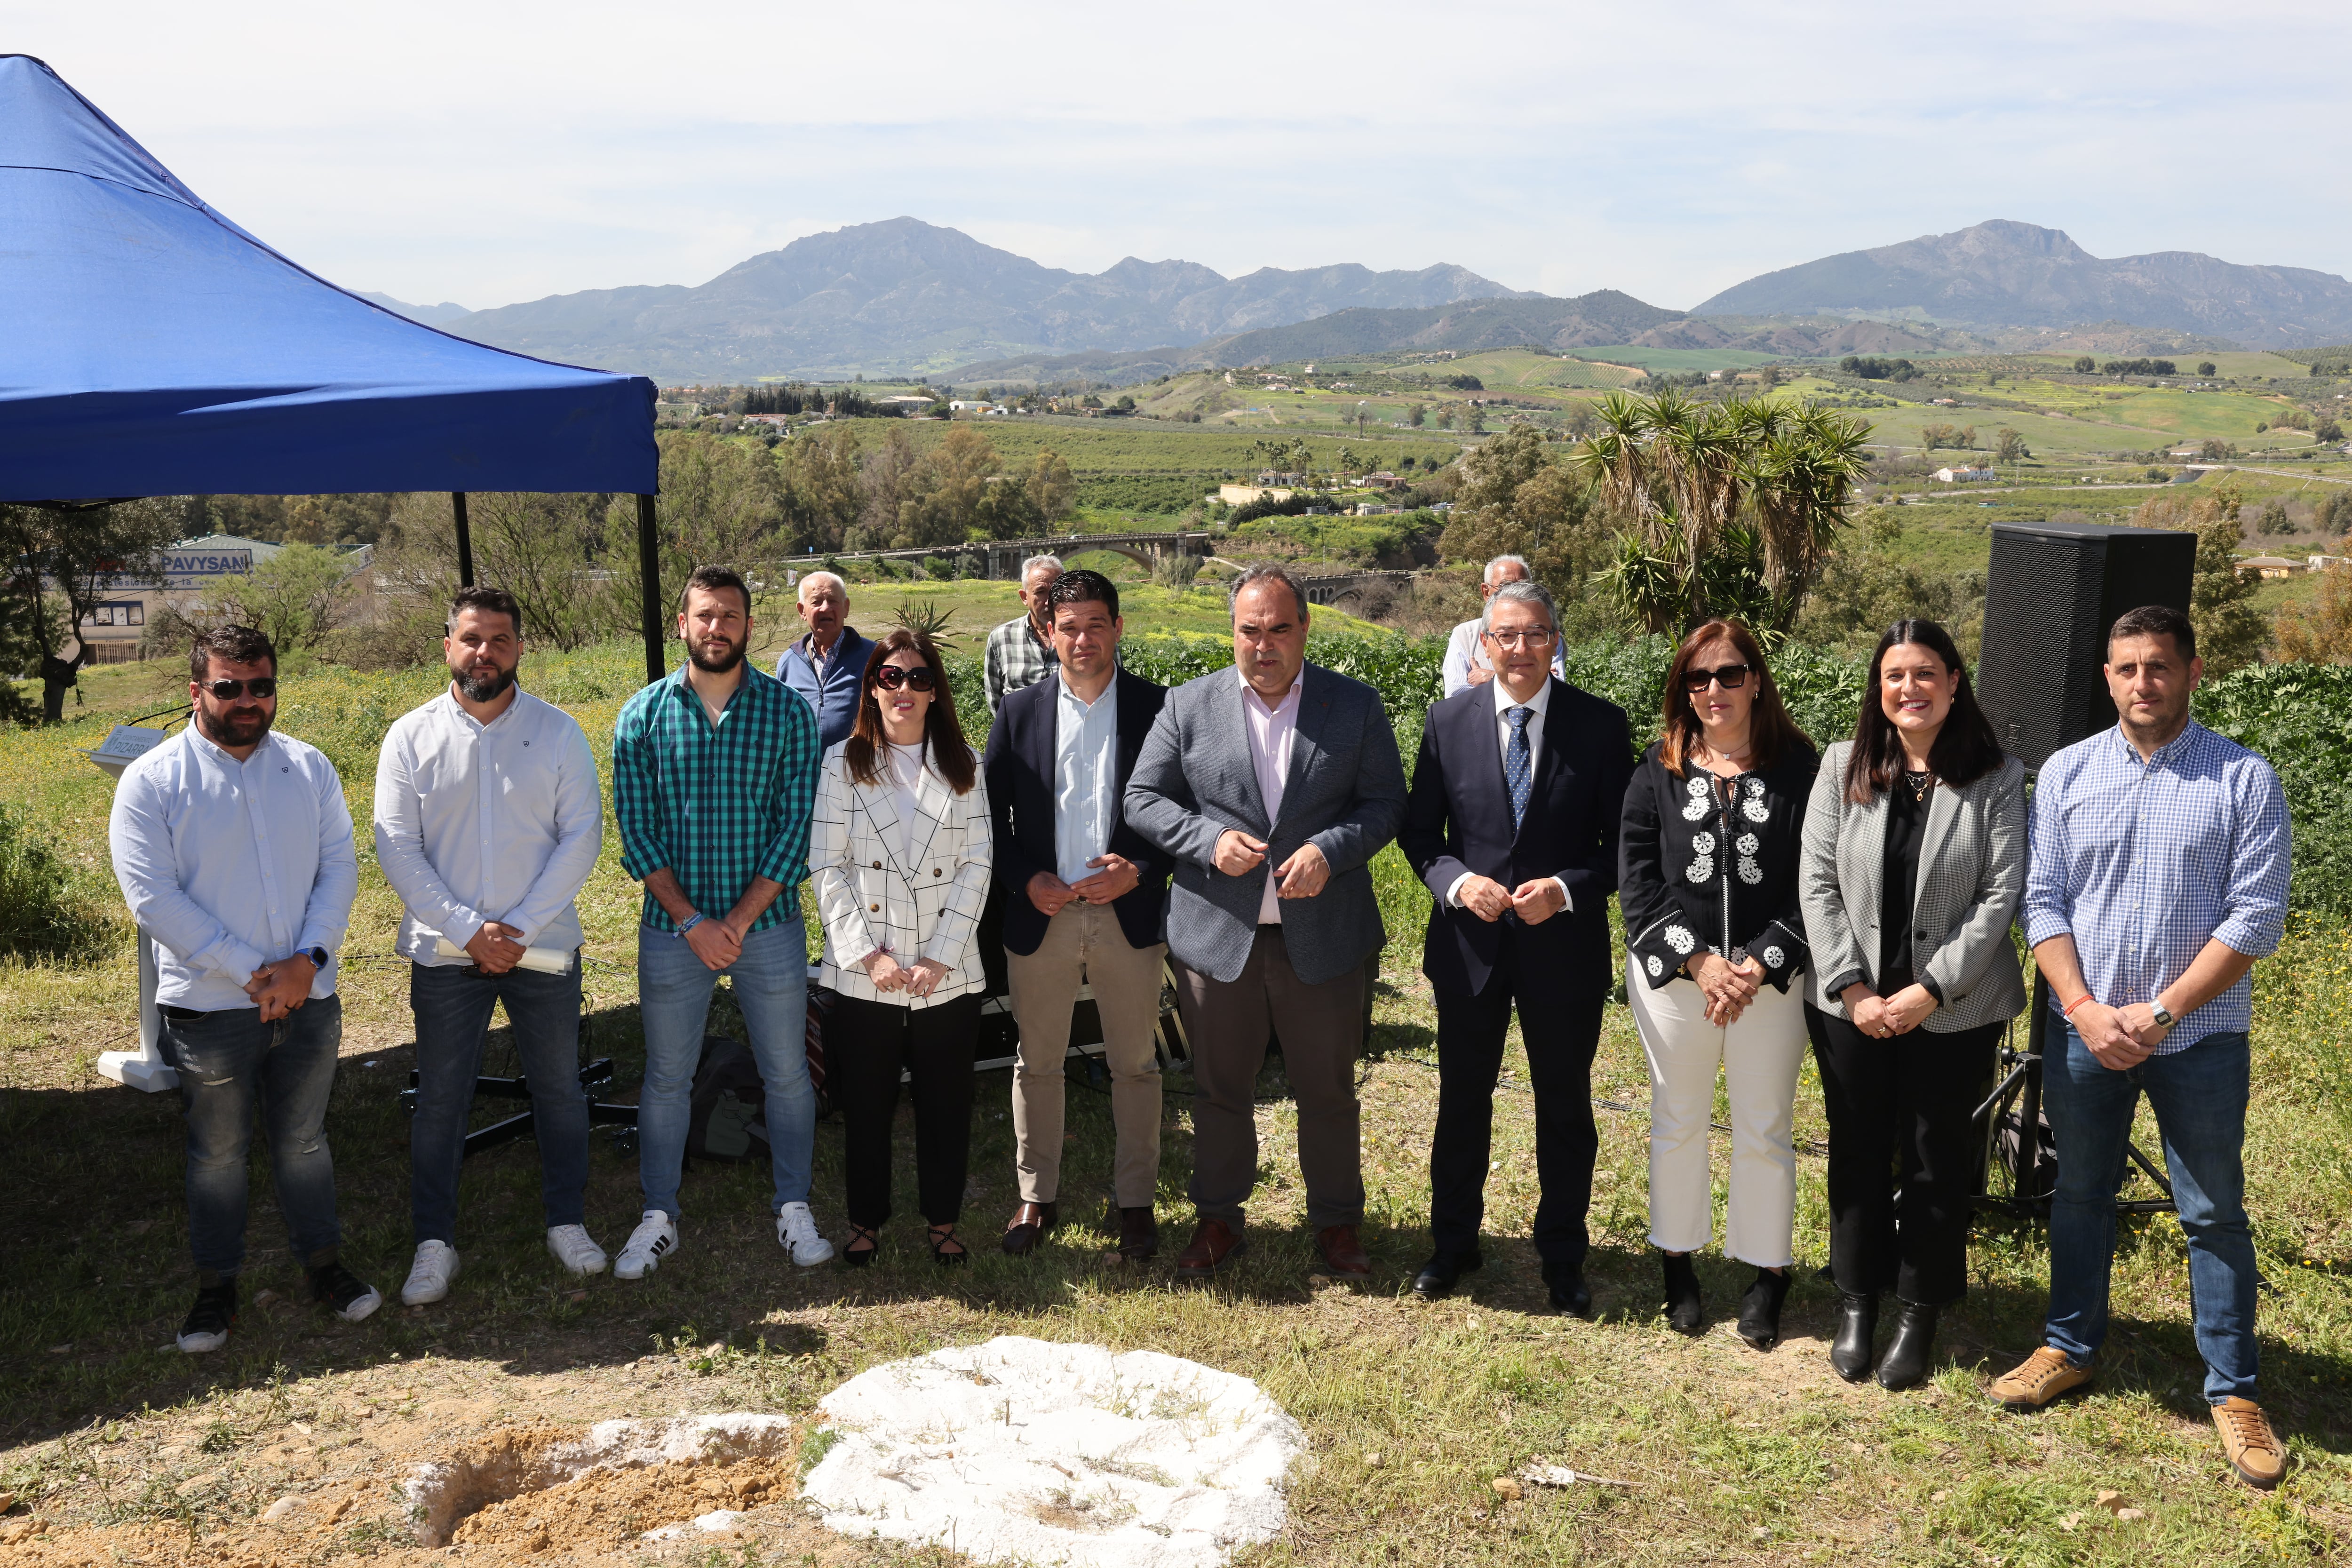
[(1919, 784)]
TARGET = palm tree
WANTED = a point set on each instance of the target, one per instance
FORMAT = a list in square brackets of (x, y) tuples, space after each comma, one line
[(1729, 507)]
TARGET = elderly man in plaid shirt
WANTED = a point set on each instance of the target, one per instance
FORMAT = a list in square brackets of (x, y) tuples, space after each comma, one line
[(1021, 651), (2158, 875), (714, 772)]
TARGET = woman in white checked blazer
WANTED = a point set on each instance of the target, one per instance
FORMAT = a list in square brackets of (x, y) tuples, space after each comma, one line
[(899, 846)]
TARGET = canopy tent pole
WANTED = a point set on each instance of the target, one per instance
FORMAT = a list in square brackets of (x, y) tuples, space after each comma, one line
[(649, 575), (465, 541)]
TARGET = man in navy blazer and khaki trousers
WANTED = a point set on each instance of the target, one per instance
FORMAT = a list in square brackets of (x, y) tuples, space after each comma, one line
[(1272, 785), (1082, 892), (1512, 823)]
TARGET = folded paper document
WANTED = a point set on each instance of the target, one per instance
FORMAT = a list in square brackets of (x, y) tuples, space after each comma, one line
[(546, 960)]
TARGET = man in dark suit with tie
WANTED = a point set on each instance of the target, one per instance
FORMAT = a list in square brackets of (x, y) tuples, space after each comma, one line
[(1512, 823), (1083, 895)]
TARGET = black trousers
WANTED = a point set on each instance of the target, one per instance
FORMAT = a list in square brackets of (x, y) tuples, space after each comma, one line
[(1899, 1112), (1560, 1025), (867, 1043)]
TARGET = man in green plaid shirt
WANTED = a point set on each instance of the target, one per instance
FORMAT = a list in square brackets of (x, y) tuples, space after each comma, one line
[(714, 774)]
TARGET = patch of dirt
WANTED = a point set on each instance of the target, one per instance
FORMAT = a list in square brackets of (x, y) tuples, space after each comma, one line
[(613, 1508)]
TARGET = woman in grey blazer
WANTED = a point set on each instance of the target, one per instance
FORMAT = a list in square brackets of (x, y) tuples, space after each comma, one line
[(1912, 870)]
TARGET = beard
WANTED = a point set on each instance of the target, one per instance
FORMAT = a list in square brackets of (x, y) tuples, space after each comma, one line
[(484, 686), (716, 664), (234, 727)]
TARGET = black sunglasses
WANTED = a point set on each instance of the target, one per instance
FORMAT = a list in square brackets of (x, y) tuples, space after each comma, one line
[(262, 687), (892, 676), (1730, 677)]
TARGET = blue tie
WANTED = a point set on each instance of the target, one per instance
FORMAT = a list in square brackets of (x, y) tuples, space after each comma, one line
[(1516, 772)]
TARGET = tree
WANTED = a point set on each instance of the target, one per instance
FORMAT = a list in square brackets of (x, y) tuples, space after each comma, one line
[(1720, 506), (1869, 586), (2332, 513), (2318, 631), (1417, 415), (64, 563), (2009, 447), (1051, 488), (294, 598), (2205, 367), (1007, 510), (1515, 500), (2231, 634), (2084, 364), (820, 485), (2327, 432)]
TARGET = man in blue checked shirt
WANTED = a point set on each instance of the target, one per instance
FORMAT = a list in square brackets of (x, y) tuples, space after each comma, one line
[(2158, 875), (714, 773)]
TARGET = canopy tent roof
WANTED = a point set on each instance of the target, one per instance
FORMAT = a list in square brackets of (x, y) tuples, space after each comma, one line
[(153, 347)]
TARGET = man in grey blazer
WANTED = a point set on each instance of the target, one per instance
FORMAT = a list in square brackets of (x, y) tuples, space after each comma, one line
[(1272, 785)]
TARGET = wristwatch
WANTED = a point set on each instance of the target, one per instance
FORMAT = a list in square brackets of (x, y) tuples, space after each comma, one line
[(317, 955), (2163, 1019)]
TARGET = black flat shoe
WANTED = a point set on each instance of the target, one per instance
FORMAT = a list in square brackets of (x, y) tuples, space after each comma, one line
[(855, 1256), (1685, 1315), (943, 1236), (1857, 1333), (1570, 1294), (1439, 1276), (1911, 1348), (1759, 1310)]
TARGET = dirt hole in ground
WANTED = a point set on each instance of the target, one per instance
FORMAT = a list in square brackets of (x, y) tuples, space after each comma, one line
[(540, 1488)]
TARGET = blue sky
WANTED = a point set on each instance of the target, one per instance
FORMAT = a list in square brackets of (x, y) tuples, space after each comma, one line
[(490, 153)]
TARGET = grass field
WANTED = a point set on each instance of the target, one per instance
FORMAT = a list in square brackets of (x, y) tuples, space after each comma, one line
[(136, 1454), (1114, 446)]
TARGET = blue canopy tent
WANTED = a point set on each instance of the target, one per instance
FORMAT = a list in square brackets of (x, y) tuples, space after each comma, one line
[(153, 347)]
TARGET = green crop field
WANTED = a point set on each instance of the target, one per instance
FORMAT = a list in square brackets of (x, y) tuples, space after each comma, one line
[(1110, 447)]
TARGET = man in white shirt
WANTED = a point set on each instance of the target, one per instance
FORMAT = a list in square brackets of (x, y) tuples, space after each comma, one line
[(1084, 891), (488, 817), (1466, 663), (233, 847)]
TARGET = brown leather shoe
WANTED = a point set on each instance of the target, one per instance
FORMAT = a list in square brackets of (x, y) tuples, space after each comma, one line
[(2253, 1449), (1213, 1242), (1343, 1255), (1028, 1226), (1139, 1235), (2038, 1379)]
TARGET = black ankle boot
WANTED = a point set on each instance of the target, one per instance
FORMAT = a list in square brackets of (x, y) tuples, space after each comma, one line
[(1857, 1331), (1759, 1310), (1907, 1354), (1683, 1313)]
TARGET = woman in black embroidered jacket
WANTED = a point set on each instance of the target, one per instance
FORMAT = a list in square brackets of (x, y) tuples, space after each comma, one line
[(1707, 858)]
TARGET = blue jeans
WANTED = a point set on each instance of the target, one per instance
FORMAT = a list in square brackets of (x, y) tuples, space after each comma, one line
[(228, 1062), (2199, 1096), (770, 979), (452, 1003)]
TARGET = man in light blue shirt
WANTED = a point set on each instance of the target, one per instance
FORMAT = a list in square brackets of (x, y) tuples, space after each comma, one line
[(488, 817), (827, 664), (1081, 904), (233, 847), (2157, 875)]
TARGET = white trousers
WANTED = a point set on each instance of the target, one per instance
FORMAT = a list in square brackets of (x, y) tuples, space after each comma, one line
[(1759, 1056)]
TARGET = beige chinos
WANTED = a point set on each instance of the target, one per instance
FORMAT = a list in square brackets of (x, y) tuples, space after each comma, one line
[(1084, 942)]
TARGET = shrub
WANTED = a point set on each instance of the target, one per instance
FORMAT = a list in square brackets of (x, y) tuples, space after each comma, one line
[(38, 915)]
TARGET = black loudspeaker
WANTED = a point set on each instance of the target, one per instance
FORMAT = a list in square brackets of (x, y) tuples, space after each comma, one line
[(2053, 590)]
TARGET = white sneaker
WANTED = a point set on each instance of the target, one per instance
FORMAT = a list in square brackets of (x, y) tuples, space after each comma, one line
[(796, 1229), (575, 1250), (429, 1276), (654, 1238)]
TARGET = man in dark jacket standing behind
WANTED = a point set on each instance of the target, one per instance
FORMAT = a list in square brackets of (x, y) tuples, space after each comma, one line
[(1513, 825), (1082, 904), (1272, 785)]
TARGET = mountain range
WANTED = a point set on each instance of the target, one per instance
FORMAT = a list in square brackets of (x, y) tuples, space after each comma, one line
[(900, 296), (2008, 274), (903, 297)]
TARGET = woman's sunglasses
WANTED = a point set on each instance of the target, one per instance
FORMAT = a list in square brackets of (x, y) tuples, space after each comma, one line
[(1730, 677), (892, 676), (263, 687)]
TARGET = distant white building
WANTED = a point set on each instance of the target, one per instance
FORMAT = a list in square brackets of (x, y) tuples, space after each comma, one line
[(1958, 475)]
